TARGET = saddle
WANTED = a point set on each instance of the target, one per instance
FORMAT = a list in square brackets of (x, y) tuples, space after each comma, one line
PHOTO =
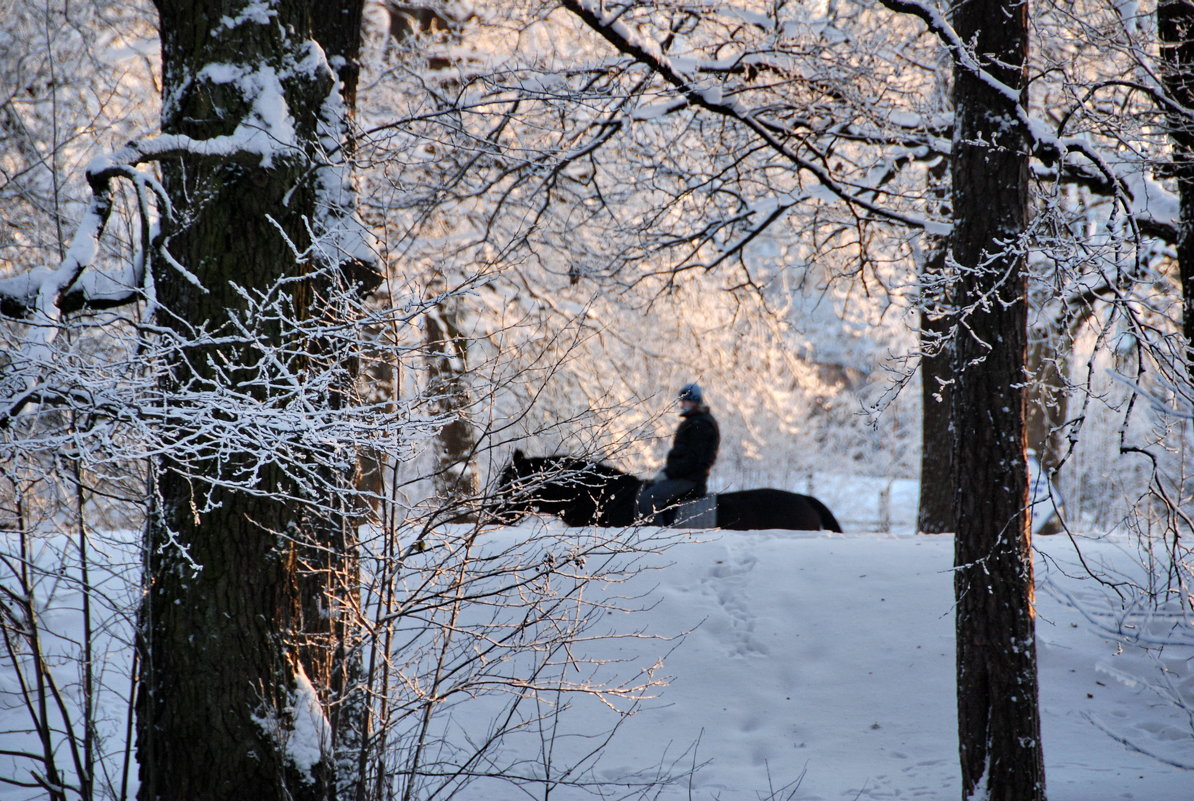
[(700, 512)]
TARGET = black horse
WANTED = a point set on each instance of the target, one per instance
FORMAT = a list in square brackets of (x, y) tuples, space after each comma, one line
[(588, 494)]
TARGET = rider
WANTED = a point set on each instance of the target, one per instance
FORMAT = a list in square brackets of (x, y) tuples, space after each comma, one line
[(694, 450)]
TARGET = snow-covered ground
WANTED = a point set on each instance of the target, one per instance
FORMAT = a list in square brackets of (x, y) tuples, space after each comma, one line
[(828, 659), (823, 664)]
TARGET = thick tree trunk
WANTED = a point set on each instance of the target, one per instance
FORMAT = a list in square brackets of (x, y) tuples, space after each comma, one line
[(250, 579), (1175, 27), (998, 715), (217, 665)]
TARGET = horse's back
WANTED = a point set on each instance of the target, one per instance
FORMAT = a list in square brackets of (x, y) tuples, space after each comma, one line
[(697, 513), (751, 510)]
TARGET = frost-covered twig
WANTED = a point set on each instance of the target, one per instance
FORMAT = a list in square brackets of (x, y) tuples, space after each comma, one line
[(651, 55), (1049, 147)]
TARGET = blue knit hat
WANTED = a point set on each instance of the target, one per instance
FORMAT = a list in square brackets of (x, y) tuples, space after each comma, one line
[(691, 392)]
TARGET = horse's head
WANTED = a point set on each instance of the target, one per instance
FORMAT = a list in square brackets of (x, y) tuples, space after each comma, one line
[(576, 490), (531, 484), (511, 498)]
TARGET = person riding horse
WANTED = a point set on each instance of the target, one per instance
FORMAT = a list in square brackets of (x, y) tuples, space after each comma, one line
[(694, 450), (582, 492)]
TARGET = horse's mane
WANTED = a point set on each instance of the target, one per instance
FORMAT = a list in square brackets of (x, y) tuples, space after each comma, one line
[(570, 464)]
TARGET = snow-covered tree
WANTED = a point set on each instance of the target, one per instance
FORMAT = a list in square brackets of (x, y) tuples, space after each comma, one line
[(236, 311), (251, 541), (594, 203), (209, 363)]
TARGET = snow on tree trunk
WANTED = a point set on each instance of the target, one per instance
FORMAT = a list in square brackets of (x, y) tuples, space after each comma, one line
[(998, 715), (250, 563)]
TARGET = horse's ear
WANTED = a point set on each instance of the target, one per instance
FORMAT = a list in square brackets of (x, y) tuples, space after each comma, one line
[(519, 457)]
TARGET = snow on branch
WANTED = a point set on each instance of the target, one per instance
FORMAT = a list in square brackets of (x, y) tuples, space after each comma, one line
[(340, 233), (40, 291), (1152, 210), (1093, 169), (45, 292), (958, 50), (265, 137), (649, 53)]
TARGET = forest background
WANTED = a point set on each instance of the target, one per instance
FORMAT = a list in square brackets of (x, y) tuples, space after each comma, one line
[(563, 213)]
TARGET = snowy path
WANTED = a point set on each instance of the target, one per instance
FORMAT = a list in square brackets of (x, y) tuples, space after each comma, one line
[(832, 657)]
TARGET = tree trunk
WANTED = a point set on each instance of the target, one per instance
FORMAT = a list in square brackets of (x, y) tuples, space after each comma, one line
[(1049, 350), (250, 568), (1175, 28), (998, 715), (456, 480), (455, 471), (936, 509)]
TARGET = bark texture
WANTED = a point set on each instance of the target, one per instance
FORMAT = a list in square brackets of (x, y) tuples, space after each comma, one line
[(248, 576), (1175, 27), (998, 715)]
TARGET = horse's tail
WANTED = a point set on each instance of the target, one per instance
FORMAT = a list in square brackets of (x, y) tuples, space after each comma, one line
[(828, 521)]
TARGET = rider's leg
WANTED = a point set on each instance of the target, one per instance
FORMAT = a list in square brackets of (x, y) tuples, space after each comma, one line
[(658, 496)]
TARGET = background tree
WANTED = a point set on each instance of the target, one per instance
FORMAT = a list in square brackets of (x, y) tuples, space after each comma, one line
[(936, 505), (427, 40)]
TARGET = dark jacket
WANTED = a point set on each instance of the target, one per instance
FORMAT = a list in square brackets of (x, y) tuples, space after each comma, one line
[(694, 449)]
